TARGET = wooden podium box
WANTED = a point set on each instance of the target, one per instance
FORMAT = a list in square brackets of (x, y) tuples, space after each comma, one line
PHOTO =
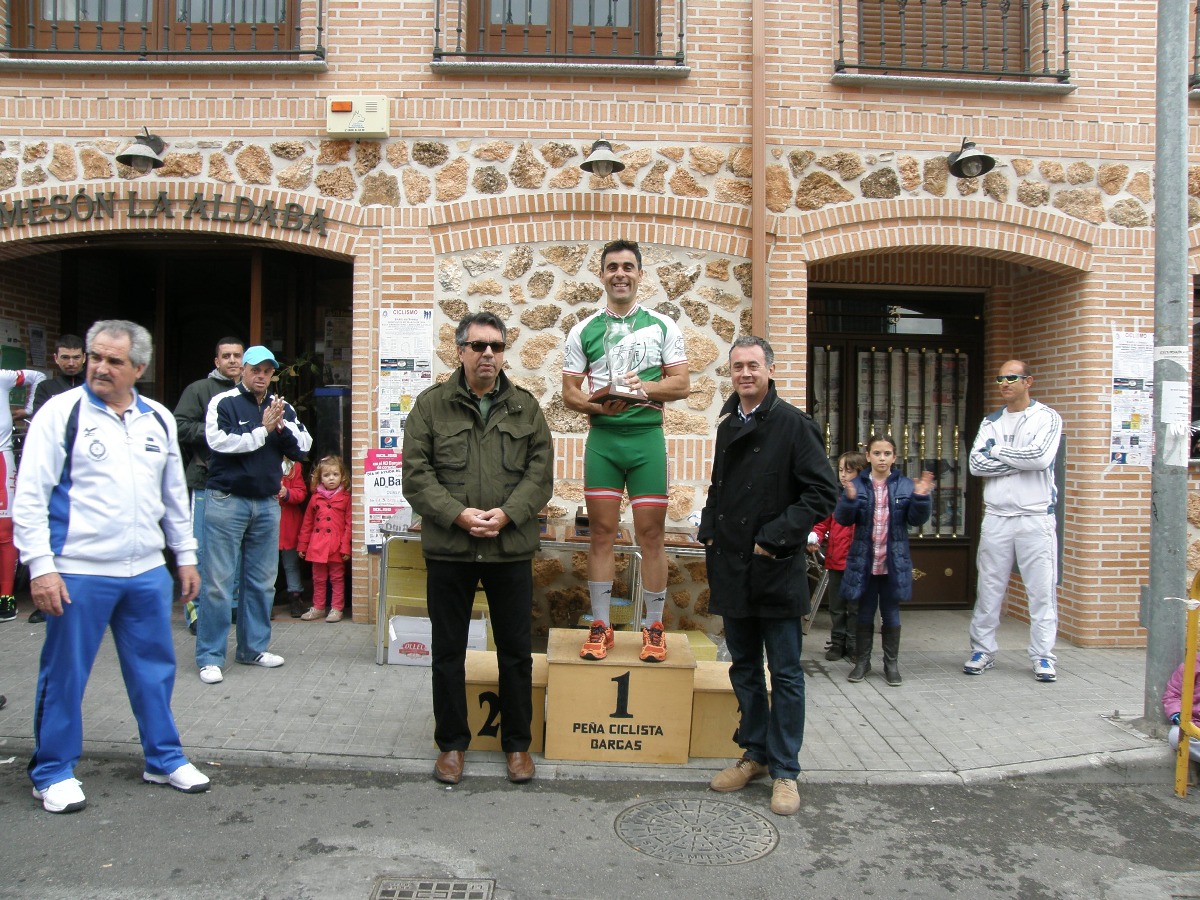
[(715, 715), (618, 709), (483, 701)]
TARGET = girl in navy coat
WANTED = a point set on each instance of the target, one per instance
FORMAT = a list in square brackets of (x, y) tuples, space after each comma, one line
[(881, 504)]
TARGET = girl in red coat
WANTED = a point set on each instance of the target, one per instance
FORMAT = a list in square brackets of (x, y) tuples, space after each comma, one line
[(292, 491), (842, 612), (325, 536)]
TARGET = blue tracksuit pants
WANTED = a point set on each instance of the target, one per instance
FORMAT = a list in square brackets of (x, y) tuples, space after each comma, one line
[(138, 609)]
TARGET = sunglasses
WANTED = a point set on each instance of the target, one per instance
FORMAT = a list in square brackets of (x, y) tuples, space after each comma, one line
[(1009, 379), (480, 346)]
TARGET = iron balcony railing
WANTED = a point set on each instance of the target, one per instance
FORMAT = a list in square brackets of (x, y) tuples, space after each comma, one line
[(164, 29), (1016, 40), (563, 31)]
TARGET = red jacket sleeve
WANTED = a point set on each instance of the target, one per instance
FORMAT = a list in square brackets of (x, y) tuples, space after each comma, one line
[(306, 526)]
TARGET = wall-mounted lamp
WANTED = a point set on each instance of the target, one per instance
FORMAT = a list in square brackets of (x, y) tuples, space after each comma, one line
[(969, 161), (601, 160), (144, 154)]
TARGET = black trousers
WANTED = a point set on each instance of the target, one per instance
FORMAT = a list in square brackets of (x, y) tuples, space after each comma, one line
[(450, 589)]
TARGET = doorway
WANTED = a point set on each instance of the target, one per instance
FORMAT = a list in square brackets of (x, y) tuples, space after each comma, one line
[(907, 363)]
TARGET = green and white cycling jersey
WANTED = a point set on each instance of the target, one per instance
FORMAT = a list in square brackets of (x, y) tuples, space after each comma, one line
[(653, 344)]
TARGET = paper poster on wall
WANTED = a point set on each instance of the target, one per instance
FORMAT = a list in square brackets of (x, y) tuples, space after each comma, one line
[(1132, 434), (405, 368), (383, 497)]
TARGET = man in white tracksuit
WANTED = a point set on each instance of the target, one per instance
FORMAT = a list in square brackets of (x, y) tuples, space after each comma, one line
[(100, 494), (1015, 451)]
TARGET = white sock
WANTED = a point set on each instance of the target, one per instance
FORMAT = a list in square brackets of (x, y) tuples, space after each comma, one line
[(655, 601), (600, 593)]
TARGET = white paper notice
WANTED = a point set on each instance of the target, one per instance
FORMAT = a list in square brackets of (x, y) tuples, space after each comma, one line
[(1175, 403)]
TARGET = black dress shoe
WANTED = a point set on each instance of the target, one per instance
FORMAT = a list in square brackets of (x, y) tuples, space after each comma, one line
[(37, 617), (520, 767), (449, 767)]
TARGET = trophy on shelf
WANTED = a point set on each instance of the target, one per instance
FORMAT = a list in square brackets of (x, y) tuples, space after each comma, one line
[(619, 354)]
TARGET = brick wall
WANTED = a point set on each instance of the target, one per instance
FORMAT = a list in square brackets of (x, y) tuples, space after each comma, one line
[(1060, 237)]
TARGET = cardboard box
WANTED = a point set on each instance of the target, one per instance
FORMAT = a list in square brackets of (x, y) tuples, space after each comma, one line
[(618, 709), (410, 637), (715, 714), (483, 701), (703, 647)]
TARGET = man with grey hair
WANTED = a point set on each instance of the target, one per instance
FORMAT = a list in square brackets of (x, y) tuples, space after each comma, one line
[(100, 494), (478, 466), (771, 483)]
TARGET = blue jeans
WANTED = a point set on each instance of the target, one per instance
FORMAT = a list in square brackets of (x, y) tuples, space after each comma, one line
[(245, 531), (198, 498), (878, 596), (291, 570), (771, 730), (138, 610)]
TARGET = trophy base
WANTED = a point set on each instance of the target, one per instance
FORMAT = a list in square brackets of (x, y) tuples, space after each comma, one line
[(618, 392)]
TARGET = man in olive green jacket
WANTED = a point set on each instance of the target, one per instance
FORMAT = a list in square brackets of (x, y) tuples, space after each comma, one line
[(478, 467)]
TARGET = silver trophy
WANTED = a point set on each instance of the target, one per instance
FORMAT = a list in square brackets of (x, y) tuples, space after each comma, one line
[(619, 355)]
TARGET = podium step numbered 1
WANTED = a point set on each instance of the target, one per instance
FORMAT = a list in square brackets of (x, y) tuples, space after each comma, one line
[(618, 709)]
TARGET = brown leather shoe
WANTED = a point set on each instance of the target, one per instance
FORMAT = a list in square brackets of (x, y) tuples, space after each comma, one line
[(449, 766), (520, 767)]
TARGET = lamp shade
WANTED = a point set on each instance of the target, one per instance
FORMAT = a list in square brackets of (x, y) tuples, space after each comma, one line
[(969, 161), (601, 160), (144, 154)]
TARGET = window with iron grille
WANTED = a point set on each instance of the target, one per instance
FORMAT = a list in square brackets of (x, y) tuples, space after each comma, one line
[(161, 28), (610, 31), (1016, 39)]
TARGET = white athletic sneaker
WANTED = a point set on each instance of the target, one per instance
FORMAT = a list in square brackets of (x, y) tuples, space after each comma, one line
[(62, 796), (1043, 670), (186, 778), (978, 663), (267, 660), (211, 675)]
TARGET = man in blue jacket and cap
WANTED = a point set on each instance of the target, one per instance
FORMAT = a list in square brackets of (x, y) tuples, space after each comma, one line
[(249, 431)]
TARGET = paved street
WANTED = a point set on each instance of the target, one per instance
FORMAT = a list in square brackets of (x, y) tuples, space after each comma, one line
[(286, 834), (331, 706), (990, 786)]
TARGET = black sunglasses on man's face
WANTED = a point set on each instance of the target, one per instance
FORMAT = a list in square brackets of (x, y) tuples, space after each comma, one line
[(480, 346)]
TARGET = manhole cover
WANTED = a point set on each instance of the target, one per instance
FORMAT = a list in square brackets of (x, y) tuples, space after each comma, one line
[(392, 888), (701, 832)]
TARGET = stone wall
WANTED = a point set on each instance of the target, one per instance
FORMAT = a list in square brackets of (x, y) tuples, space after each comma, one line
[(541, 291), (426, 173)]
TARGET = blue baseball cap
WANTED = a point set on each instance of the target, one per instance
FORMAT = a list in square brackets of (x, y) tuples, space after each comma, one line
[(259, 354)]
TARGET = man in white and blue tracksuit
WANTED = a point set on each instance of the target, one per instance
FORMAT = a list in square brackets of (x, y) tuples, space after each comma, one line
[(100, 493), (1014, 453), (249, 431)]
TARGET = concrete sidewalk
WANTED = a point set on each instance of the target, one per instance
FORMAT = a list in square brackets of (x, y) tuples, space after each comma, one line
[(332, 707)]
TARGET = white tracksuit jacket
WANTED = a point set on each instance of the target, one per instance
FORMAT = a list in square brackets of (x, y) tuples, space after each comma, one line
[(124, 493), (1027, 461)]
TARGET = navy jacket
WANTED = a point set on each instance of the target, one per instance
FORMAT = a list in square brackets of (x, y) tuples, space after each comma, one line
[(247, 460), (905, 509)]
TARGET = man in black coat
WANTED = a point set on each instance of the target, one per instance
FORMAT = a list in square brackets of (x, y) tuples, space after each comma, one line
[(771, 483), (68, 357)]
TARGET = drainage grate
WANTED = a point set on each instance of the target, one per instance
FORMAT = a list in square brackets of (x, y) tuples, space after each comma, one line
[(700, 832), (389, 887)]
